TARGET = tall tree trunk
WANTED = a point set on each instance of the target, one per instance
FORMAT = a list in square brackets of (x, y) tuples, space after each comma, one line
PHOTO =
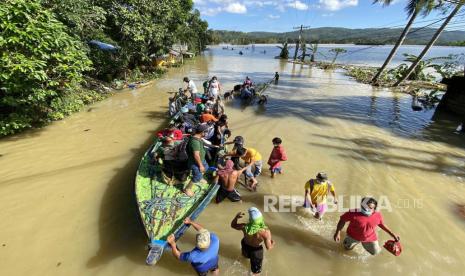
[(296, 48), (304, 51), (431, 43), (396, 47)]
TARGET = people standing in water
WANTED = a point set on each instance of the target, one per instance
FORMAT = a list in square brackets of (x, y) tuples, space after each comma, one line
[(362, 227), (228, 177), (253, 157), (205, 85), (255, 234), (204, 257), (276, 78), (316, 192), (278, 154), (248, 81)]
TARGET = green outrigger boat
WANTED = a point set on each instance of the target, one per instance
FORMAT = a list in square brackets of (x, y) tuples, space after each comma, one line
[(162, 206)]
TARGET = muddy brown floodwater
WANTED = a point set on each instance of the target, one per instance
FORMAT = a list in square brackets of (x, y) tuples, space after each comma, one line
[(66, 190)]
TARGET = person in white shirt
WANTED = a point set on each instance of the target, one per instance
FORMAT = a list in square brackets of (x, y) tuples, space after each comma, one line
[(190, 86), (214, 88)]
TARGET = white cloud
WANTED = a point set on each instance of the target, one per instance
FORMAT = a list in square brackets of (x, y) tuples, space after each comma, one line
[(200, 2), (235, 7), (334, 5), (327, 14), (272, 16), (259, 4), (210, 11), (298, 5)]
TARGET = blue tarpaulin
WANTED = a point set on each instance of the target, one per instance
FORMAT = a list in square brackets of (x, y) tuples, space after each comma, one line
[(103, 46)]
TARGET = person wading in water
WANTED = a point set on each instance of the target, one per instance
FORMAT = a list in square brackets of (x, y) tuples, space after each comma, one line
[(255, 233), (362, 227), (228, 179)]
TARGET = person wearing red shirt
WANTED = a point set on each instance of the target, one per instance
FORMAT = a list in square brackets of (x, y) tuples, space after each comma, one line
[(277, 155), (362, 227), (172, 132)]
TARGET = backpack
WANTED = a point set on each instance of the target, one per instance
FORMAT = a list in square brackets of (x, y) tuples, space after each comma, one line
[(180, 152), (312, 183)]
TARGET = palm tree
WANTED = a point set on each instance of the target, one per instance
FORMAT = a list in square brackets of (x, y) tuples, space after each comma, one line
[(296, 48), (304, 50), (432, 41), (413, 8)]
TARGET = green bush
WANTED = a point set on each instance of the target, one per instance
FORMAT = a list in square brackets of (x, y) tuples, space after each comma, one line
[(39, 61)]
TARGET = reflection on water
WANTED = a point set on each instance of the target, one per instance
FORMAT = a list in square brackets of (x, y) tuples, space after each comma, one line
[(373, 55), (67, 189)]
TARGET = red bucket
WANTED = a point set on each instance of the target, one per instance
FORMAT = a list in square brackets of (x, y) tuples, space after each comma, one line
[(394, 247)]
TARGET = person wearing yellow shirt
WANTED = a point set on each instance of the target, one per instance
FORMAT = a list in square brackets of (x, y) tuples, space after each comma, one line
[(316, 192), (251, 156)]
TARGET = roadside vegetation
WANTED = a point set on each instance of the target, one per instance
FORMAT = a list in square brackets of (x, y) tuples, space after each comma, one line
[(49, 66)]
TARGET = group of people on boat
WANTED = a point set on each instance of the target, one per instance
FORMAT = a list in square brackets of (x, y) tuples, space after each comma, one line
[(201, 132)]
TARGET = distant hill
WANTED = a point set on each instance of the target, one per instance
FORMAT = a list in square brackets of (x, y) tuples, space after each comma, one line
[(340, 35)]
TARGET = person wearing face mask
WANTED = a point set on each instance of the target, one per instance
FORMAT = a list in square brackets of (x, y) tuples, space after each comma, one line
[(214, 88), (362, 227), (277, 155)]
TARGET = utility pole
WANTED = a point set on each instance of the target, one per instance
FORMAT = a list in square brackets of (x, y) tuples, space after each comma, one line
[(302, 27)]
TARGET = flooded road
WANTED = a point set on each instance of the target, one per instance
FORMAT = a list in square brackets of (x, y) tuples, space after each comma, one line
[(66, 191)]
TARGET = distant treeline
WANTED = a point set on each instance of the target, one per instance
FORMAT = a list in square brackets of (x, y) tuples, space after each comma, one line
[(47, 62), (327, 35)]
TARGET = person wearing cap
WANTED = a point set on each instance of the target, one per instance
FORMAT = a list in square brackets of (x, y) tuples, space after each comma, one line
[(362, 227), (204, 257), (316, 192), (238, 142), (196, 157), (255, 234), (251, 156)]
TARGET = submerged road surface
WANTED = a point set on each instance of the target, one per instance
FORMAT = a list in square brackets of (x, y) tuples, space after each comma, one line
[(66, 191)]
